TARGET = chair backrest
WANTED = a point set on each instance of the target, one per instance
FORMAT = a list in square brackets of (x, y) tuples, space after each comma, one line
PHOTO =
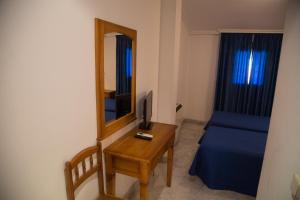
[(86, 161)]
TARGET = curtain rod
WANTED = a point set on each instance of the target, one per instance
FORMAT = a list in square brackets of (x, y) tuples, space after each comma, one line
[(219, 31), (249, 31)]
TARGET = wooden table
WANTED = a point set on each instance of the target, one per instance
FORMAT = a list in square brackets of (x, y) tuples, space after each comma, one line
[(135, 157)]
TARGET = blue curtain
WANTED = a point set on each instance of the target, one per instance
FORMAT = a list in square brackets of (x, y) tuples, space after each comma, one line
[(259, 59), (124, 65), (246, 80), (266, 48), (227, 90)]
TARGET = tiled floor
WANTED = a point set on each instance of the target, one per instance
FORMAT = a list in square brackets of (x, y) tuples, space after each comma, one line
[(185, 187)]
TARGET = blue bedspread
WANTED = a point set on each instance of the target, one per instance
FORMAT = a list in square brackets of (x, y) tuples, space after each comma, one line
[(230, 159), (241, 121)]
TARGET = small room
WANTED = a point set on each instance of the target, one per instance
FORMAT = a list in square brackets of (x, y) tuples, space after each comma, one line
[(150, 100)]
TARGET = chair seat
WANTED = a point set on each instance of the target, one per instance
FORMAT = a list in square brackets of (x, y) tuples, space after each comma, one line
[(109, 197)]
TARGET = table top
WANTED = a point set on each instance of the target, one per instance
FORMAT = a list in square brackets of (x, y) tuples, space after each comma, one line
[(129, 147)]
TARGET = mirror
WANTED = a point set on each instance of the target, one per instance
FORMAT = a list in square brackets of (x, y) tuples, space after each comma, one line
[(115, 77)]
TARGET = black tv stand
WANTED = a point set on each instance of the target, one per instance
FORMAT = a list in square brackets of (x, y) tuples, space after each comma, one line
[(145, 126)]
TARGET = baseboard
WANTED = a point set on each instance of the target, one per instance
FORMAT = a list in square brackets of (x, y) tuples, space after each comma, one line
[(194, 121)]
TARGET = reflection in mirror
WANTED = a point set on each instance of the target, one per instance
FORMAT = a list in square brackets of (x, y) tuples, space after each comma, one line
[(117, 75)]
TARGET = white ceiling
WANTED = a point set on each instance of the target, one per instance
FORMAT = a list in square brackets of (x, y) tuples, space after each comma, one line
[(211, 15)]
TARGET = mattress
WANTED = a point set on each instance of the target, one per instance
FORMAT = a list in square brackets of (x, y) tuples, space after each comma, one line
[(240, 121), (230, 159)]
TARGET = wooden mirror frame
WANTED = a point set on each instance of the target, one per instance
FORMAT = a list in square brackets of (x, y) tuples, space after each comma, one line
[(101, 28)]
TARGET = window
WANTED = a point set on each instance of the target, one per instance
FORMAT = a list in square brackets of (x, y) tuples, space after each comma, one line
[(249, 67), (128, 62)]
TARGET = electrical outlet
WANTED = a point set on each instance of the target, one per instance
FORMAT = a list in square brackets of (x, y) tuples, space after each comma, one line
[(295, 187)]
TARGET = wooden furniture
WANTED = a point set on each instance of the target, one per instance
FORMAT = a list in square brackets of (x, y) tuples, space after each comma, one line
[(109, 93), (85, 160), (135, 157), (103, 27)]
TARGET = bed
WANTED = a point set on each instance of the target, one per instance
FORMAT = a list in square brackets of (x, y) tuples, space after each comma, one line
[(231, 152), (240, 121)]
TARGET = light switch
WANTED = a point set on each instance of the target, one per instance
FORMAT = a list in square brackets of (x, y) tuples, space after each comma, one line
[(295, 187)]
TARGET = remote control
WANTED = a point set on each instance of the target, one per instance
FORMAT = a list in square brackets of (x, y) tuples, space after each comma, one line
[(144, 136)]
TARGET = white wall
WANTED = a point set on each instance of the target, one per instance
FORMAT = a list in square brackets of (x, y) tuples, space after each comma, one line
[(183, 65), (169, 60), (110, 79), (283, 149), (202, 69), (48, 107), (182, 76)]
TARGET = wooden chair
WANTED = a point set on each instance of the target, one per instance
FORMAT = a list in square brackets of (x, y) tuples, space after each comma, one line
[(84, 159)]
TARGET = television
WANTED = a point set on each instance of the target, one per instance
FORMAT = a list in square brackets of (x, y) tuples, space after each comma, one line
[(147, 112)]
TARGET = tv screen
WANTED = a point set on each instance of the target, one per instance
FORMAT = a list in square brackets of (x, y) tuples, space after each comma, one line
[(149, 106), (147, 112)]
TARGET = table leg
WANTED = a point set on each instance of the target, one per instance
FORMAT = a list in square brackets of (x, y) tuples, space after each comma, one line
[(144, 180), (170, 165), (143, 191), (110, 176)]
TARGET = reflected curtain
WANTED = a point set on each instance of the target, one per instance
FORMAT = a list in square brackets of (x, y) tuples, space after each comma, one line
[(123, 65), (247, 72)]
